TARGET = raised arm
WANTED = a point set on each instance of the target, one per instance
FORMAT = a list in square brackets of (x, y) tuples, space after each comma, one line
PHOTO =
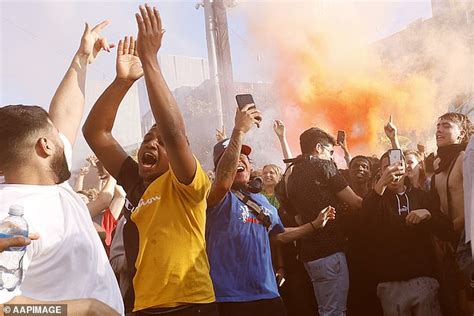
[(227, 166), (67, 105), (280, 131), (163, 105), (118, 202), (347, 154), (78, 186), (98, 126), (392, 133)]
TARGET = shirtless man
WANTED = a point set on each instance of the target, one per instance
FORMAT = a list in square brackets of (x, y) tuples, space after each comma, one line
[(453, 131)]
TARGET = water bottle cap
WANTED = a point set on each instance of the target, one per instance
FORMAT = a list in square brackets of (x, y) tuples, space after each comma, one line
[(16, 210)]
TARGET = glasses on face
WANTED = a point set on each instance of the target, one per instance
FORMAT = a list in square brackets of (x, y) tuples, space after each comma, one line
[(328, 148)]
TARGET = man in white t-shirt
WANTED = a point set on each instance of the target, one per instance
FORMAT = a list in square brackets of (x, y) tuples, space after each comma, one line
[(67, 263)]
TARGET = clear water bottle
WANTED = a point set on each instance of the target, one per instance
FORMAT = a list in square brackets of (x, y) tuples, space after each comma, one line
[(11, 260)]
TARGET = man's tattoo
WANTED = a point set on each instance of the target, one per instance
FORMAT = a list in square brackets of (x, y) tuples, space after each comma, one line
[(228, 164)]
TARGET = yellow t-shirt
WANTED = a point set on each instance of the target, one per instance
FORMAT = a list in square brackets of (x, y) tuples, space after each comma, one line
[(172, 265)]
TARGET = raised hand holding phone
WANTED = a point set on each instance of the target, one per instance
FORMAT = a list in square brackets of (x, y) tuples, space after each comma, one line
[(247, 99), (341, 138)]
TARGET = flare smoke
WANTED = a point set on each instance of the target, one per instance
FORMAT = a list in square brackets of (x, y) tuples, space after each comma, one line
[(330, 73)]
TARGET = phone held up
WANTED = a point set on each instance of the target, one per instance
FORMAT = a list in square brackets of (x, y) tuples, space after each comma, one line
[(245, 99), (341, 137), (395, 157)]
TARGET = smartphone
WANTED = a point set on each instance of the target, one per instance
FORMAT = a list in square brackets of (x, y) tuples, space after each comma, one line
[(395, 157), (244, 99), (341, 137)]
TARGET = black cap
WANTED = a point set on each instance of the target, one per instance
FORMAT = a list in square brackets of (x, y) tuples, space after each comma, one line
[(221, 146)]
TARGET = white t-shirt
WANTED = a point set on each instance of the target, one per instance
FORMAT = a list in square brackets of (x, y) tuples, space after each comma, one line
[(68, 261)]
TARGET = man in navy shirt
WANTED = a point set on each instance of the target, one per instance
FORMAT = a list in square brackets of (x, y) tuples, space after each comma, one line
[(238, 230)]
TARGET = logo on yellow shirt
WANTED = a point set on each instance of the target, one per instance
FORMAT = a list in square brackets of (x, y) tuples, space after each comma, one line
[(149, 201)]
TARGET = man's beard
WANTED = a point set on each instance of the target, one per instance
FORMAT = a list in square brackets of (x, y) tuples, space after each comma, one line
[(60, 168)]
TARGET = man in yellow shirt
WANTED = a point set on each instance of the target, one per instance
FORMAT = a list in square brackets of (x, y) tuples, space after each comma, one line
[(166, 189)]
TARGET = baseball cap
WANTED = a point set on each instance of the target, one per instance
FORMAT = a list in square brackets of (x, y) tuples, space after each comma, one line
[(221, 146)]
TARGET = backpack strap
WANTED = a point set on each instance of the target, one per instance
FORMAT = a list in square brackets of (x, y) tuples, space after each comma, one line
[(255, 207)]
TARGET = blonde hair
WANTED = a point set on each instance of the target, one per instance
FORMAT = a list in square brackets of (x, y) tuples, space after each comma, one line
[(419, 156), (275, 168)]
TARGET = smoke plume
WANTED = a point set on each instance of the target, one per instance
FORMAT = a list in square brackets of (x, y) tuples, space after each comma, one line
[(329, 73)]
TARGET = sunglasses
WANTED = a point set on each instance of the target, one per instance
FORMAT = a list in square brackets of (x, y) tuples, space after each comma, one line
[(331, 152)]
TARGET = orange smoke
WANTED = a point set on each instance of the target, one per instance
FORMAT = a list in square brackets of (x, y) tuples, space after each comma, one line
[(328, 75), (360, 105)]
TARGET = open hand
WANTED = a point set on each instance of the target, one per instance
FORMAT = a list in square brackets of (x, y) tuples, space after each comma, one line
[(93, 160), (327, 214), (84, 171), (92, 43), (128, 64), (150, 32), (220, 134), (279, 128)]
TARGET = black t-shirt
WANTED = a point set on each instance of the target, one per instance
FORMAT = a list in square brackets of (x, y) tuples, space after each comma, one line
[(312, 186)]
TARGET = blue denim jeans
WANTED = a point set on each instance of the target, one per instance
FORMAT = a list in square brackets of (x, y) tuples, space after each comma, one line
[(330, 279)]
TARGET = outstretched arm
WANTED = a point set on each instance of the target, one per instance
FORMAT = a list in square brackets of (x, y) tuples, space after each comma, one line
[(294, 233), (98, 126), (67, 105), (163, 105)]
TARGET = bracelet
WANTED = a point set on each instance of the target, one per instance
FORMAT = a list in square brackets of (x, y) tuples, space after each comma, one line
[(312, 225)]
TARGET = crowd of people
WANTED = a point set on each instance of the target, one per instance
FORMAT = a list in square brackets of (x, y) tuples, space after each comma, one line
[(161, 235)]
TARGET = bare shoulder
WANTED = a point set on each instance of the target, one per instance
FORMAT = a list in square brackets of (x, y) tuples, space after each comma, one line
[(459, 160)]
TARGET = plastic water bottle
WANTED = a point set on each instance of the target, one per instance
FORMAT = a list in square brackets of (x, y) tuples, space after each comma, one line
[(11, 260)]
